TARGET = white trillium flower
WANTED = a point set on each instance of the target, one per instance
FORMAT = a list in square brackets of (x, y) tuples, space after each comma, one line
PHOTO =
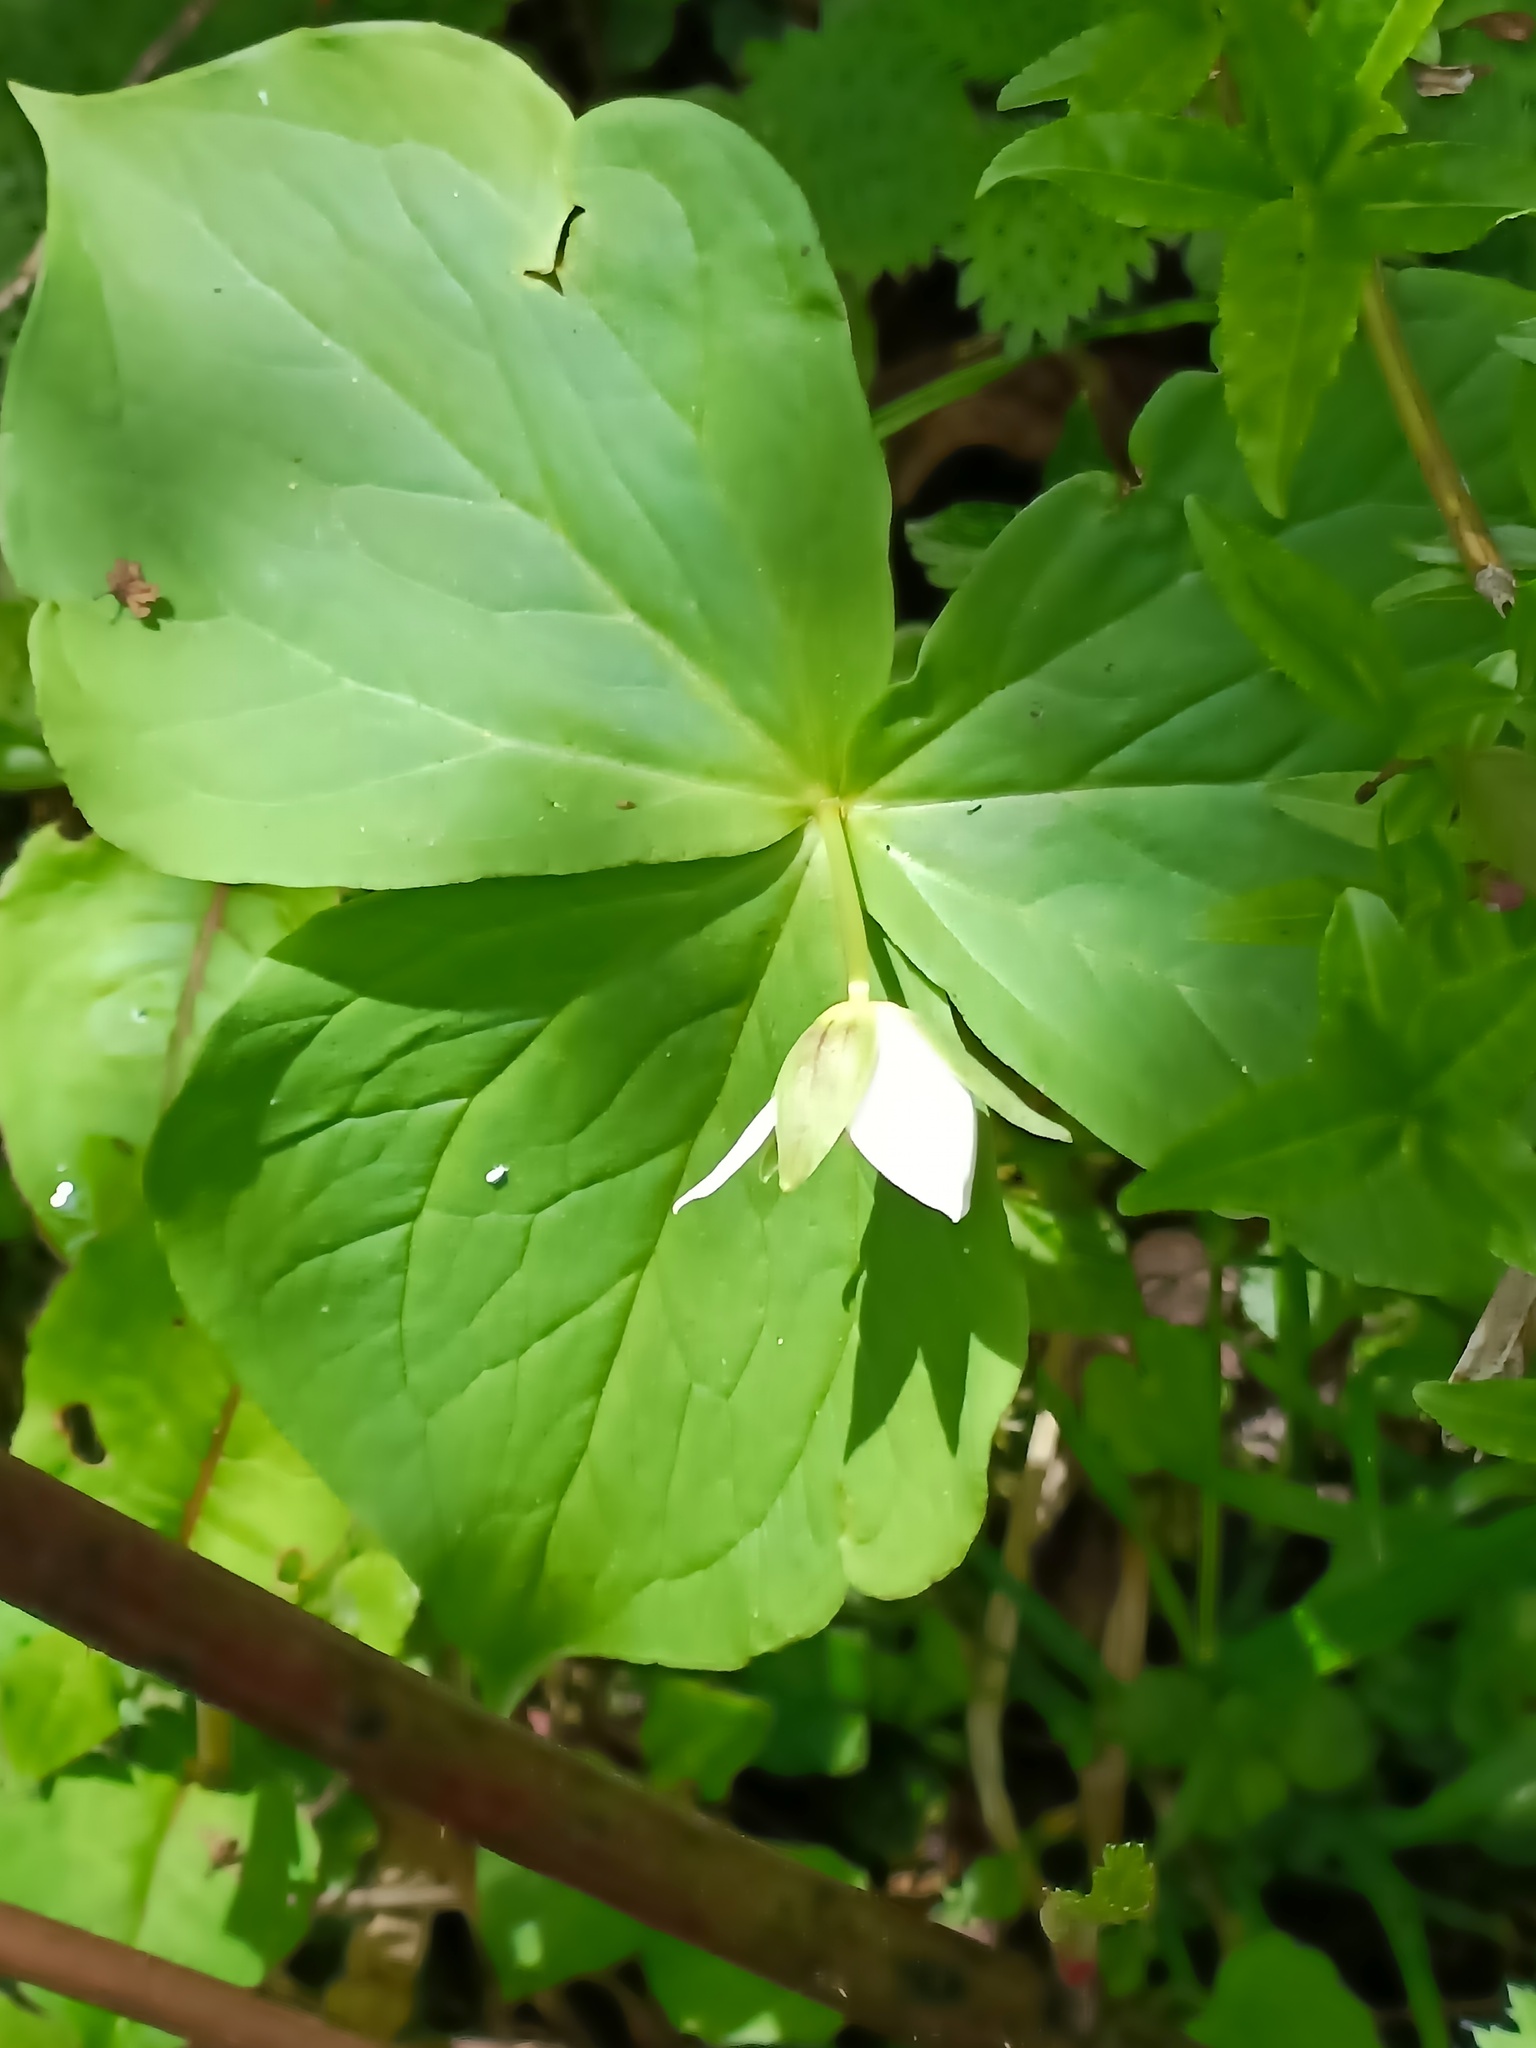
[(866, 1068)]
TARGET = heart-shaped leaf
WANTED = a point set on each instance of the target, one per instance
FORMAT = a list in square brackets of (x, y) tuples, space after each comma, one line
[(506, 481)]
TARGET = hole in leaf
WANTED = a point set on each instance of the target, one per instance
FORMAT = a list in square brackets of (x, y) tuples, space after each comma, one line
[(79, 1428), (551, 277)]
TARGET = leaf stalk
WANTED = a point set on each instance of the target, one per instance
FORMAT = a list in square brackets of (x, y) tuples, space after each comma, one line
[(1491, 575), (846, 906)]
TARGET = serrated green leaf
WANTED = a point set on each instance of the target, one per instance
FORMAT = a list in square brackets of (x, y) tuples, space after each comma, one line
[(1290, 299), (1144, 170), (1271, 1993), (1522, 2010), (1299, 617), (1434, 196), (486, 1227), (1057, 74), (609, 490), (95, 953), (1285, 87), (1033, 260), (1141, 59), (876, 128), (1124, 1888), (1490, 1415)]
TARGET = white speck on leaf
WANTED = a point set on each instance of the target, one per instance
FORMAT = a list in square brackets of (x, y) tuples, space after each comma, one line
[(61, 1194), (497, 1177)]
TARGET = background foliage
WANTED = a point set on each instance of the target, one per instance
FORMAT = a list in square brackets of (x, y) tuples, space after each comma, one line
[(1250, 1609)]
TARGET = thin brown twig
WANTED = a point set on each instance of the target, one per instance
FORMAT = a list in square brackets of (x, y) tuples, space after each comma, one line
[(197, 1498), (26, 276), (1000, 1620), (1491, 575), (165, 45), (191, 988), (184, 2003), (1102, 1783)]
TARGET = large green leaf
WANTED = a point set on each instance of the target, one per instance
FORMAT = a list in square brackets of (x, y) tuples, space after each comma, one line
[(1435, 195), (420, 1189), (145, 1860), (1144, 170), (1078, 792), (508, 480), (95, 953)]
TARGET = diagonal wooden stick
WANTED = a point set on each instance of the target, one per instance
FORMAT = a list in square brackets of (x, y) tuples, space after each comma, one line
[(194, 2008), (120, 1587)]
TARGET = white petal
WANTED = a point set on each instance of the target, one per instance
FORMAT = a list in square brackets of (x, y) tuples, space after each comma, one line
[(751, 1141), (917, 1124)]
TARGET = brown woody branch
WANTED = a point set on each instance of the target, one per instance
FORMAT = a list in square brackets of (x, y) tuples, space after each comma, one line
[(93, 1572), (185, 2003)]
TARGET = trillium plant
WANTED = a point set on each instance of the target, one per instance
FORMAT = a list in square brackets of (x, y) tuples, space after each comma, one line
[(513, 623), (576, 963)]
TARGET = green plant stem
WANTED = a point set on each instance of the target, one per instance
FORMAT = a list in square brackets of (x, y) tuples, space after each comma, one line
[(972, 377), (1208, 1590), (846, 906), (1464, 521), (1363, 1437), (1395, 1905)]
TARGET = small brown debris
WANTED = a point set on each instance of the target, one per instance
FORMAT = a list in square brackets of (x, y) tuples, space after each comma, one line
[(1507, 25), (1500, 892), (1445, 81), (1173, 1271), (126, 582), (626, 804)]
